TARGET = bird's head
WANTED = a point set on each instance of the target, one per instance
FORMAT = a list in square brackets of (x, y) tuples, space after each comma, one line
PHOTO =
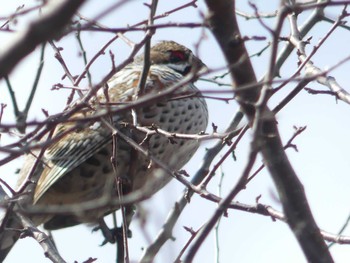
[(175, 56)]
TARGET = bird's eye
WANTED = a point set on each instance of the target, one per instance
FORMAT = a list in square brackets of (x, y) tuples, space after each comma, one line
[(177, 56), (187, 70)]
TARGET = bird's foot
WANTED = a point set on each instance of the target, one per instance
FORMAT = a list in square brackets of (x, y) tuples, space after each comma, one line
[(111, 235)]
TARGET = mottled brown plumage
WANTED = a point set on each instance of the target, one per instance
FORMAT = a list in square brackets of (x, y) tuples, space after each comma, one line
[(77, 168)]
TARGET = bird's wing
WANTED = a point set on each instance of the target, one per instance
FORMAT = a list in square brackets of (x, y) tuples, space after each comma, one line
[(77, 146), (70, 151)]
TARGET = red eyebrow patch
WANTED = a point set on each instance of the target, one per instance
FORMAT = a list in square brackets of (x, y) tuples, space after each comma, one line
[(178, 55)]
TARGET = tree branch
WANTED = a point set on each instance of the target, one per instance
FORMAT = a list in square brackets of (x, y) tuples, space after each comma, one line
[(40, 31), (225, 28)]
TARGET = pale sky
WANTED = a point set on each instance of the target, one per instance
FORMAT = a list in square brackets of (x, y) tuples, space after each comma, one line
[(322, 162)]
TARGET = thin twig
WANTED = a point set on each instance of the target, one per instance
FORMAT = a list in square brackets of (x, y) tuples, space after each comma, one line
[(39, 31)]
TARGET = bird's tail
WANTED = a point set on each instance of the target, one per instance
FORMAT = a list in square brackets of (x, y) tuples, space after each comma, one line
[(9, 227), (9, 233)]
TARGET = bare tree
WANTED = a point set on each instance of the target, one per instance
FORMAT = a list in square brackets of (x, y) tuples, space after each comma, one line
[(276, 149)]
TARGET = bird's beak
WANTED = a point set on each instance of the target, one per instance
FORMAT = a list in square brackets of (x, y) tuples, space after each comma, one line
[(198, 66), (202, 68)]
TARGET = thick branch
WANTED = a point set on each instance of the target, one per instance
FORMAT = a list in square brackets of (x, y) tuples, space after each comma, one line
[(40, 31), (232, 44), (224, 26)]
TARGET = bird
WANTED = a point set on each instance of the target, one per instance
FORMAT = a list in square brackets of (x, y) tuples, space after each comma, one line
[(77, 166)]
